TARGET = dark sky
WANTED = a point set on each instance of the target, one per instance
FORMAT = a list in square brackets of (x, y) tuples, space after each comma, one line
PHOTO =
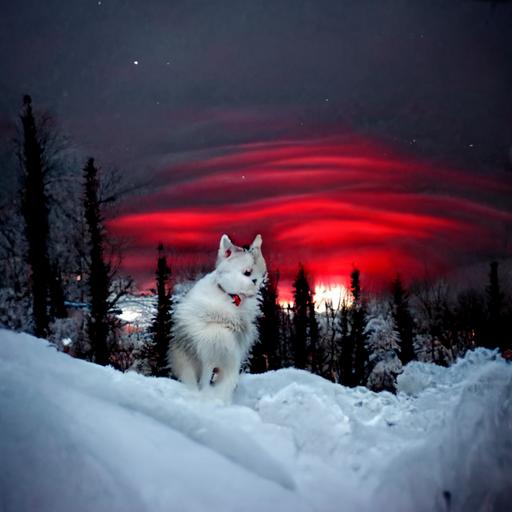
[(375, 133)]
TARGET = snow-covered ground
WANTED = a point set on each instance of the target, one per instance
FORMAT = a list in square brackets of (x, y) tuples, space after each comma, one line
[(78, 437)]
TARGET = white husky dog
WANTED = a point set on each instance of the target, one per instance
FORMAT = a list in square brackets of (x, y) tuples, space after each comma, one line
[(214, 324)]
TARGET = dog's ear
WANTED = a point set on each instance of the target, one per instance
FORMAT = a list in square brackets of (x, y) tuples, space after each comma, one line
[(256, 244), (225, 247)]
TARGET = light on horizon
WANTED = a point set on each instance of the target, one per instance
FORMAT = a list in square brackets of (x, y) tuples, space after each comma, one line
[(333, 294)]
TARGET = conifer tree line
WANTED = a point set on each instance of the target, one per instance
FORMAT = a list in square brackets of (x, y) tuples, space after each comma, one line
[(60, 272), (60, 280), (366, 341)]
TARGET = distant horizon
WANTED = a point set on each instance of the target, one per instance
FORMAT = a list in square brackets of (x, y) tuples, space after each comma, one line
[(472, 276)]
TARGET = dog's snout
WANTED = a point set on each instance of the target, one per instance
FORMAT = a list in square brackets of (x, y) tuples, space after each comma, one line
[(254, 281)]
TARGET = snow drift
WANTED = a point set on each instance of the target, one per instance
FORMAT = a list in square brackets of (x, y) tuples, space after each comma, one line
[(76, 436)]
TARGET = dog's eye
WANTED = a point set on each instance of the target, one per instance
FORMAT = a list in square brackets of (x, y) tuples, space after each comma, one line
[(247, 273)]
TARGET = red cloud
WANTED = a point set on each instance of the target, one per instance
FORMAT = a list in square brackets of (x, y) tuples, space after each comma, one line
[(329, 205)]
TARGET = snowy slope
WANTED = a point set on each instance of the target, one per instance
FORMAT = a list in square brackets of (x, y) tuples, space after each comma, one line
[(78, 437)]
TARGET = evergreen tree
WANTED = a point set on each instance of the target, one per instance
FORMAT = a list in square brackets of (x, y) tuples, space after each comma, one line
[(162, 323), (146, 357), (99, 325), (495, 309), (265, 354), (357, 331), (403, 320), (34, 207), (302, 297)]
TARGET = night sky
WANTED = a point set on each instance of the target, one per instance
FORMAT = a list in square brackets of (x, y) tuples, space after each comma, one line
[(352, 132)]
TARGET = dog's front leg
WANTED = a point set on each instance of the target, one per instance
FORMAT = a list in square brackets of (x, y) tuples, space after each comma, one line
[(183, 367), (207, 377), (225, 387), (226, 382)]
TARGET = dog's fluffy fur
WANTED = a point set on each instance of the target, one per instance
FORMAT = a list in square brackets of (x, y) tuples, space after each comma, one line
[(214, 324)]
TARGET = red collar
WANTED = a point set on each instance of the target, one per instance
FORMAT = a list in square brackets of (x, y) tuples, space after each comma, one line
[(237, 300)]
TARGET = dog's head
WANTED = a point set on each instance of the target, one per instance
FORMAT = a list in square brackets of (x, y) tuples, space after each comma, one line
[(240, 270)]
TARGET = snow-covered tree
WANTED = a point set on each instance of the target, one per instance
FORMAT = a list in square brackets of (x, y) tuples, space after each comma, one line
[(15, 310), (37, 197), (382, 343), (15, 297), (145, 361), (429, 349), (68, 334), (15, 270)]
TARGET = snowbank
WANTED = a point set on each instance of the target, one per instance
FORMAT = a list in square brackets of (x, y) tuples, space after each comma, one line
[(76, 436)]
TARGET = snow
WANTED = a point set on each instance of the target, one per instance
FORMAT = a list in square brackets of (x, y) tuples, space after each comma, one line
[(76, 436)]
